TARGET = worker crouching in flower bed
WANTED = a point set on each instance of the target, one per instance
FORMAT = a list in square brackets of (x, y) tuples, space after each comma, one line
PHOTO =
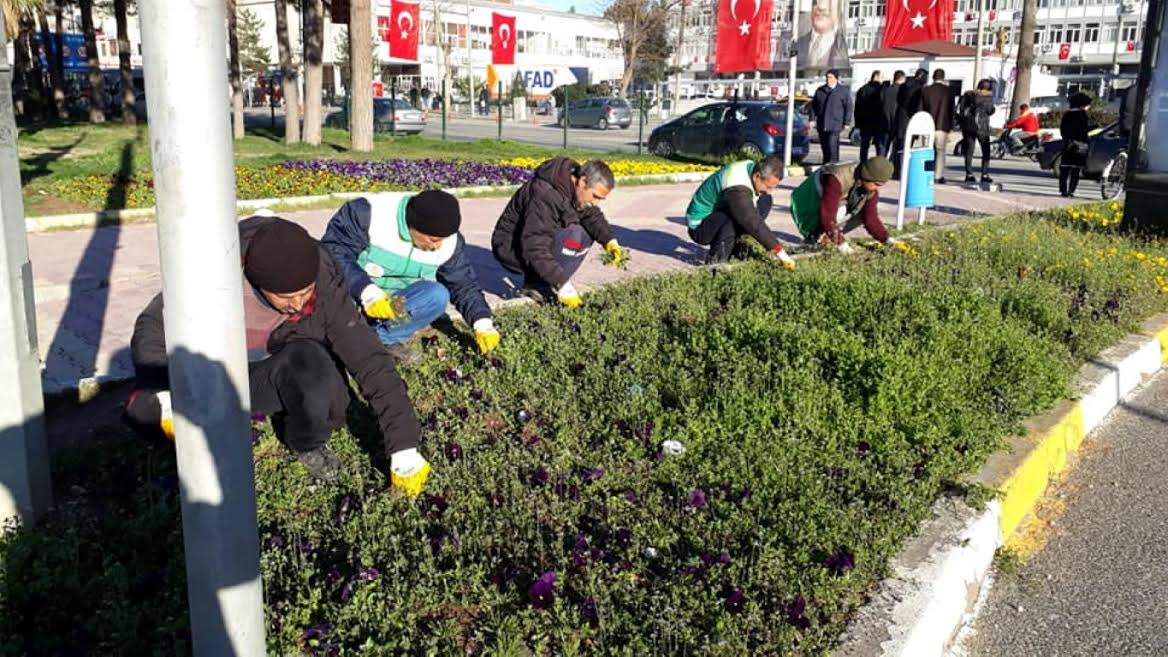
[(838, 198)]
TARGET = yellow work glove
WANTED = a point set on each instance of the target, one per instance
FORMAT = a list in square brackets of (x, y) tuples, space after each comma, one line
[(784, 258), (903, 247), (377, 303), (614, 250), (569, 296), (485, 335), (408, 471), (167, 419)]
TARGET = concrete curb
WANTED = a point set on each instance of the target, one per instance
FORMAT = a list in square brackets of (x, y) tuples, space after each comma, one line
[(939, 574), (142, 215)]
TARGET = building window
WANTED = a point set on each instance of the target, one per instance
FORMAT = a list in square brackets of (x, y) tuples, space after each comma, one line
[(1091, 33), (1074, 33), (1056, 34), (853, 8), (1040, 35), (1129, 32)]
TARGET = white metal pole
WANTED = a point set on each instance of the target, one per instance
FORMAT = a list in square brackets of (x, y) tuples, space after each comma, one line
[(183, 42), (792, 75), (25, 491)]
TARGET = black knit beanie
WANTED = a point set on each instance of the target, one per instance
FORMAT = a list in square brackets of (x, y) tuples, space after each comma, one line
[(434, 213), (281, 258)]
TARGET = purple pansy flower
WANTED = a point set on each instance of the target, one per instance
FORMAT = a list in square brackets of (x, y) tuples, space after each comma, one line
[(592, 474), (840, 561), (735, 600), (543, 591), (589, 611), (435, 505), (696, 499), (453, 451), (453, 374), (540, 477), (794, 610), (624, 537)]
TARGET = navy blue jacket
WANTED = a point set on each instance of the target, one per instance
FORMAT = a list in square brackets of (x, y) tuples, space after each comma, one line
[(832, 107), (347, 236)]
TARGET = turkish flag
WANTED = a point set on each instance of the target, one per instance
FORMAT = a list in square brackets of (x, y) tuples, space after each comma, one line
[(1131, 46), (502, 39), (400, 29), (1064, 51), (743, 36), (911, 21)]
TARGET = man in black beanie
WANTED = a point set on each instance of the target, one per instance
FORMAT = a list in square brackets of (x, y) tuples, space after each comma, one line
[(403, 260), (300, 325)]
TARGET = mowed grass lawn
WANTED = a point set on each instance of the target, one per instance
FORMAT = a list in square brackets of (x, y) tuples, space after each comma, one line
[(50, 156)]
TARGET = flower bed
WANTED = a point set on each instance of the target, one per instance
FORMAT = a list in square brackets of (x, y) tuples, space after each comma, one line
[(313, 177), (704, 463)]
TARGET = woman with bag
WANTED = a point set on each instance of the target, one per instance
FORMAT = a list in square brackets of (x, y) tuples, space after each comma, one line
[(1075, 130), (974, 112)]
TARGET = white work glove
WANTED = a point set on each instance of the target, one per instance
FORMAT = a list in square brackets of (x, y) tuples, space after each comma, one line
[(846, 249), (408, 471), (785, 258), (569, 296)]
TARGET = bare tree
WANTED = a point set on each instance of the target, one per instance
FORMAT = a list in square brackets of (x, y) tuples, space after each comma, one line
[(360, 76), (96, 78), (313, 71), (636, 22), (233, 71), (288, 71), (127, 75), (1025, 64)]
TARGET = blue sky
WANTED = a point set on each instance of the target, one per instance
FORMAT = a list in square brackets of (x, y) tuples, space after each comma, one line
[(591, 7)]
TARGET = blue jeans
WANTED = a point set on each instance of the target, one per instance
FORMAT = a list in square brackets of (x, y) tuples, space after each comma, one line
[(425, 302)]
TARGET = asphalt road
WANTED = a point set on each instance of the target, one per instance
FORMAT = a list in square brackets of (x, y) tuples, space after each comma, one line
[(1013, 174), (1100, 585)]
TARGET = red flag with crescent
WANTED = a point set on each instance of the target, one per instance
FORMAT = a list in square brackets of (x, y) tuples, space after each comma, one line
[(912, 21), (400, 29), (743, 41), (502, 39)]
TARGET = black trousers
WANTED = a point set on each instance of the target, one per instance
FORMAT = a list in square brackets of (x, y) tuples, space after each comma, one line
[(720, 231), (571, 245), (300, 387), (829, 145), (984, 142), (873, 138), (1068, 179)]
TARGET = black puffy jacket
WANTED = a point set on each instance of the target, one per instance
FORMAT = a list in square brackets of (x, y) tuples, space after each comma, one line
[(974, 111)]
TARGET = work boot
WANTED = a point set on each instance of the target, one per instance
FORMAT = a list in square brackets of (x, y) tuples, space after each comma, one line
[(322, 464), (969, 178), (985, 179), (404, 354), (720, 252), (538, 292)]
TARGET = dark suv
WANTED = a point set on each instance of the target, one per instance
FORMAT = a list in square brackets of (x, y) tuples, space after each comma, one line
[(751, 127), (599, 113)]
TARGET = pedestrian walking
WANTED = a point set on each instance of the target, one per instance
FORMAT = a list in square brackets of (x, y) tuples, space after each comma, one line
[(403, 261), (974, 111), (1075, 129), (908, 100), (891, 111), (832, 107), (937, 100), (549, 225), (870, 117), (734, 201)]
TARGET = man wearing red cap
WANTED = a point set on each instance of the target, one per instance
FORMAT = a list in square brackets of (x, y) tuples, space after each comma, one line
[(300, 323)]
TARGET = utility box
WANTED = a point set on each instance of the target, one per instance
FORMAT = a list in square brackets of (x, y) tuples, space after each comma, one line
[(1147, 181)]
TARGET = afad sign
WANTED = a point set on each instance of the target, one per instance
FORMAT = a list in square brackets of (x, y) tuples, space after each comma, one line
[(541, 81)]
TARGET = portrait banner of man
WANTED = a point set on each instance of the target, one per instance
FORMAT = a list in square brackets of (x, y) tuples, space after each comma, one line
[(822, 42)]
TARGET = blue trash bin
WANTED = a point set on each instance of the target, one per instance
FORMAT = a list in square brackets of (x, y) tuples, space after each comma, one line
[(919, 193)]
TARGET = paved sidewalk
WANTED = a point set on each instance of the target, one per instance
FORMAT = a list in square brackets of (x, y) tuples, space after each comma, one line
[(1100, 584), (91, 284)]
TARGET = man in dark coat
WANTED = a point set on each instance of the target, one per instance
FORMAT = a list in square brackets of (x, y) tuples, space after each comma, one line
[(937, 100), (891, 110), (832, 108), (549, 225), (870, 117), (908, 100), (302, 327)]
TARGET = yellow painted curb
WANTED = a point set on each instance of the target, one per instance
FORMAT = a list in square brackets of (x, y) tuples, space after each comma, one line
[(1162, 338), (1023, 487)]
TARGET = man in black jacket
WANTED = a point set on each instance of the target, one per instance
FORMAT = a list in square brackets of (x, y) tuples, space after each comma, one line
[(891, 111), (870, 118), (908, 100), (937, 99), (300, 322), (548, 227), (832, 107)]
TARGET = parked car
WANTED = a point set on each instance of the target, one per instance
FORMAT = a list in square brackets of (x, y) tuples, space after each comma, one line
[(598, 112), (752, 127), (1106, 159), (388, 114)]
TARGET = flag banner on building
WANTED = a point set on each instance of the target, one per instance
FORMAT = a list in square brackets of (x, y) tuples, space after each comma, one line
[(822, 42), (400, 29), (502, 39), (911, 21), (743, 41)]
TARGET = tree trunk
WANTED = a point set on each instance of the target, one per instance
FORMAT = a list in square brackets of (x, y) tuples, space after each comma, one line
[(56, 61), (360, 76), (96, 79), (444, 53), (233, 71), (128, 115), (290, 88), (1025, 63), (28, 80), (630, 59), (313, 69)]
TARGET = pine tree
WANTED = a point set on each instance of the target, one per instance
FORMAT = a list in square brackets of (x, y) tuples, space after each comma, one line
[(252, 54)]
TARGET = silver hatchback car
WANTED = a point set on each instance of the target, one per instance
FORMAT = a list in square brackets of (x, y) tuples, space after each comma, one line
[(599, 113), (388, 113)]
